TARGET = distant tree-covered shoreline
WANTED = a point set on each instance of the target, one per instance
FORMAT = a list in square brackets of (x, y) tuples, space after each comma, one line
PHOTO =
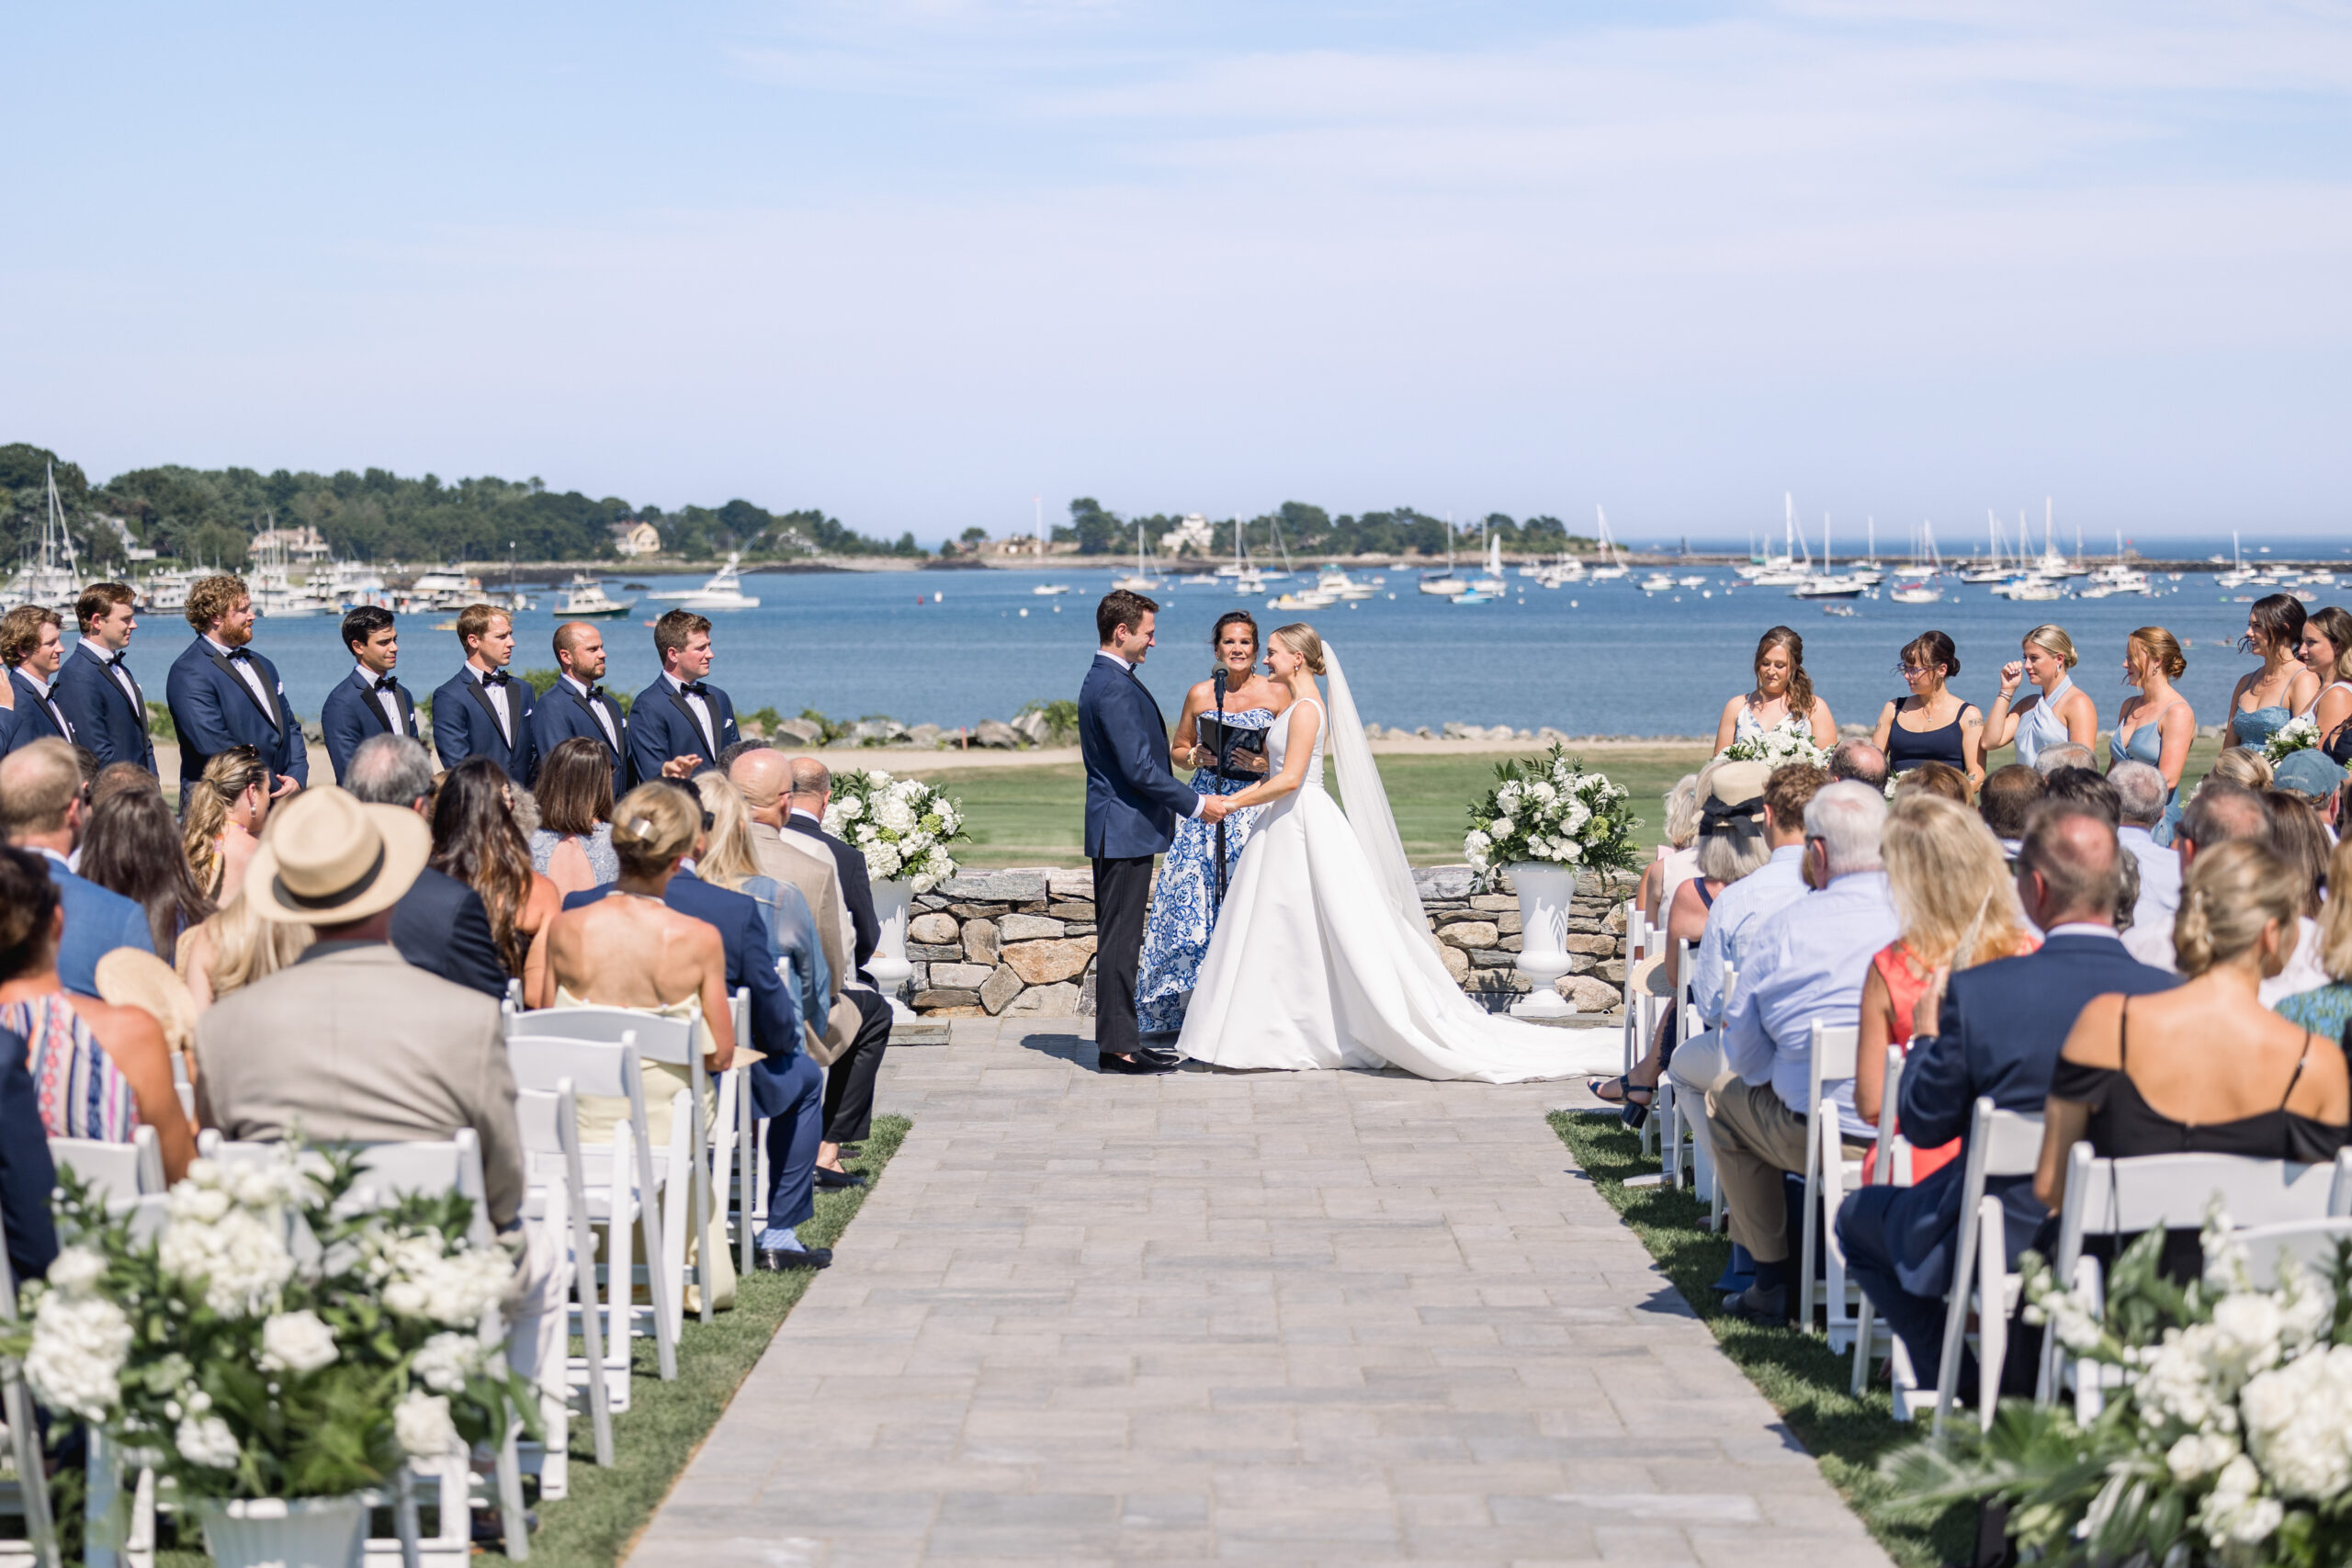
[(1307, 530)]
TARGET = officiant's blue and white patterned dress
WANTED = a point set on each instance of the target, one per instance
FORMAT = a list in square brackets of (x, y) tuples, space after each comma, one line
[(1183, 902)]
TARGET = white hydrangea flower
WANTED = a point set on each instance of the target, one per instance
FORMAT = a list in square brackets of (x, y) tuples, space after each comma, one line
[(77, 1270), (207, 1440), (2235, 1513), (447, 1360), (458, 1290), (2200, 1454), (1542, 790), (883, 860), (421, 1421), (1509, 796), (297, 1342), (2296, 1425), (80, 1344), (895, 814), (240, 1260)]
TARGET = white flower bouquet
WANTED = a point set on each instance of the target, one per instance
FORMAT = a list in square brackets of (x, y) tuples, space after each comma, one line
[(902, 827), (2231, 1447), (1791, 741), (2295, 735), (274, 1340), (1550, 809)]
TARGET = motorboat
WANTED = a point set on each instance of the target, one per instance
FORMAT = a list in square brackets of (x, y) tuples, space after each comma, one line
[(586, 600), (1043, 590), (1339, 585), (1916, 594), (1306, 599), (1445, 585), (1828, 588), (725, 592), (1657, 582)]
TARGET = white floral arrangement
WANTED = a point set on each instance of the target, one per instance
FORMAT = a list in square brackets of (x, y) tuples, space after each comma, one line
[(276, 1340), (1550, 809), (2230, 1445), (902, 827), (2295, 735), (1791, 741)]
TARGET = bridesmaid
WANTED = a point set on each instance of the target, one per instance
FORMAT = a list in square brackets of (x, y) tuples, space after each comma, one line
[(1781, 688), (2061, 711), (1183, 901), (2156, 726), (2265, 699), (2326, 651), (1933, 724)]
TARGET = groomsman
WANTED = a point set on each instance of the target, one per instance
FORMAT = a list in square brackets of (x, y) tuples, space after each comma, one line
[(100, 697), (576, 707), (681, 723), (369, 701), (32, 646), (481, 711), (223, 693)]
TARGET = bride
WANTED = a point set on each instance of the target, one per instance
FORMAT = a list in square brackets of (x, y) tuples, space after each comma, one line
[(1322, 957)]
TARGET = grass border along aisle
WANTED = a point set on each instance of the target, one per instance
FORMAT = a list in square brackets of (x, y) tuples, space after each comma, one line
[(1796, 1372)]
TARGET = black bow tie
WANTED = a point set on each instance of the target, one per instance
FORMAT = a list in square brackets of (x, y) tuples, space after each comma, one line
[(385, 684), (239, 653), (694, 689), (116, 662), (495, 678), (592, 693)]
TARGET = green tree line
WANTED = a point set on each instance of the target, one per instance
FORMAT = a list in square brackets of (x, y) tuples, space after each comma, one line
[(209, 516), (1311, 531)]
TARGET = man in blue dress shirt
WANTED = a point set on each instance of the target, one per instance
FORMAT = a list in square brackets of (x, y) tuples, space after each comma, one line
[(101, 698), (680, 724), (369, 701), (31, 648), (45, 808), (481, 711), (223, 694), (577, 707)]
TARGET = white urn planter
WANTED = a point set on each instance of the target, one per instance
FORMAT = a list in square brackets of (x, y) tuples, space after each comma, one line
[(1545, 891), (279, 1533), (890, 969)]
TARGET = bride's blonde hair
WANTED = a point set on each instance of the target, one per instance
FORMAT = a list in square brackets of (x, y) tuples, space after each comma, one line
[(1301, 640)]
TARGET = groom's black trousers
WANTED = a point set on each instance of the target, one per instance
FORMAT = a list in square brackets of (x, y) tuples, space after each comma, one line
[(1122, 896)]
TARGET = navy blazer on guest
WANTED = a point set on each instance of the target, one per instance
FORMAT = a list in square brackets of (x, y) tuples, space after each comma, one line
[(661, 727), (98, 920), (214, 709), (1132, 796), (32, 716), (27, 1175), (442, 925), (106, 718), (564, 714), (465, 725), (352, 716), (751, 965), (857, 889), (2000, 1029)]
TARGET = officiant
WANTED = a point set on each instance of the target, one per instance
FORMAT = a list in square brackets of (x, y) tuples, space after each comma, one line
[(1221, 737)]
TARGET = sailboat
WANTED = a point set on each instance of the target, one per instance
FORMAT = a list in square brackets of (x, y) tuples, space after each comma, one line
[(1613, 570), (1493, 582), (723, 591), (44, 581), (1828, 585), (2237, 576), (1915, 585), (1794, 565), (1140, 580), (1444, 584)]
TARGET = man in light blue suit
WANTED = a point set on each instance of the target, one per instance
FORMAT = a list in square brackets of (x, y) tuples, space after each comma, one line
[(223, 694), (100, 697), (481, 711), (41, 792), (1132, 803)]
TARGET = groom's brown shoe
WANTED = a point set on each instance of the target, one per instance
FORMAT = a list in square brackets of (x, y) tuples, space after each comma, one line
[(1137, 1065)]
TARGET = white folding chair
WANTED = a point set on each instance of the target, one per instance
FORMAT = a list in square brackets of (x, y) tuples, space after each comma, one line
[(115, 1170), (2310, 1242), (26, 1491), (1702, 1148), (2124, 1197), (2001, 1144), (1828, 1177), (1666, 1101), (1630, 917), (731, 1137), (1894, 1170), (558, 1200)]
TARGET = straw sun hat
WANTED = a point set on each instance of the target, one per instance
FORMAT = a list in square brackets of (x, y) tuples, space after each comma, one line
[(128, 978), (329, 859)]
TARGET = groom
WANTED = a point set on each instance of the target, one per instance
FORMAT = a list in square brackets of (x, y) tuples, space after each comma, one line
[(1132, 805)]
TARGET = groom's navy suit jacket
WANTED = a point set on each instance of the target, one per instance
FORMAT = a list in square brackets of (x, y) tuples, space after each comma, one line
[(1133, 801)]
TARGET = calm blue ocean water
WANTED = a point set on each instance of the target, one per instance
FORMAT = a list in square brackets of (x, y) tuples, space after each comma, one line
[(1594, 659)]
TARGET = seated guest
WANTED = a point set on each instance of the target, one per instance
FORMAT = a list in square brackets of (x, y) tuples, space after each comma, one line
[(2243, 765), (221, 818), (728, 861), (43, 808), (849, 1082), (2139, 796), (1994, 1031), (352, 1043), (1731, 845), (232, 948), (2204, 1068), (132, 848), (2008, 794), (100, 698), (573, 846), (2314, 776), (2064, 754), (120, 778), (1934, 778), (2301, 841), (27, 1174), (656, 825), (476, 841), (764, 778), (99, 1071), (1858, 760), (1802, 965), (441, 925), (1958, 905), (1678, 858), (2327, 1010), (2084, 786)]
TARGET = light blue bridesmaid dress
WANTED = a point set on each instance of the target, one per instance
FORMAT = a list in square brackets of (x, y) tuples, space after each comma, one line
[(2043, 726), (2152, 753)]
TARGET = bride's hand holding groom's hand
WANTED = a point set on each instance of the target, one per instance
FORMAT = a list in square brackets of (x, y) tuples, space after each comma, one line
[(1213, 807)]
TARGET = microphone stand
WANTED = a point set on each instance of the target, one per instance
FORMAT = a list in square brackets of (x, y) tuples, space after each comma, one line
[(1219, 775)]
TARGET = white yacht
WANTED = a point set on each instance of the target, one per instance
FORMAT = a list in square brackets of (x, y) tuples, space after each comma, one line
[(723, 591), (1041, 591), (1339, 585), (586, 600), (1916, 594)]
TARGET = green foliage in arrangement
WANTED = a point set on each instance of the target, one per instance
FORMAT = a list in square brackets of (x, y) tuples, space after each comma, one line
[(1551, 809)]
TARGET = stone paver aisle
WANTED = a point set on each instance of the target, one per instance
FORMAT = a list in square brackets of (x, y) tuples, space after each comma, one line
[(1316, 1318)]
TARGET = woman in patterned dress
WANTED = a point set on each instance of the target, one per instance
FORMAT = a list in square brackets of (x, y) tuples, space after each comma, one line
[(1183, 901)]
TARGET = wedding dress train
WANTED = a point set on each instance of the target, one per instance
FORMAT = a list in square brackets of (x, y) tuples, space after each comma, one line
[(1322, 957)]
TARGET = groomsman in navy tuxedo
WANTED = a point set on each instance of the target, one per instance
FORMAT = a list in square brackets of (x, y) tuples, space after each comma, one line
[(680, 724), (369, 701), (481, 711), (223, 693), (32, 645), (96, 688), (576, 707)]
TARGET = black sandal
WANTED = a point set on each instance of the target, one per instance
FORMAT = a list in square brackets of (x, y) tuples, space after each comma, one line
[(1632, 1111)]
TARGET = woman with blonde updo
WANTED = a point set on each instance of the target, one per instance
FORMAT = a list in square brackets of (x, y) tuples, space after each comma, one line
[(2060, 711), (2204, 1068), (1322, 957), (2244, 765), (221, 826), (1782, 691)]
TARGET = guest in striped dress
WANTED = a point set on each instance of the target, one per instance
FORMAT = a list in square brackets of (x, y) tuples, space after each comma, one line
[(98, 1071)]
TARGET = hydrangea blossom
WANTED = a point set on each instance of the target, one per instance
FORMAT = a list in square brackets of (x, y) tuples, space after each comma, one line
[(297, 1342), (1791, 741), (447, 1360), (2295, 735), (80, 1343), (1550, 811), (902, 827)]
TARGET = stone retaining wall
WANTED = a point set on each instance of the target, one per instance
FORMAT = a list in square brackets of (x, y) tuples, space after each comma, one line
[(991, 943)]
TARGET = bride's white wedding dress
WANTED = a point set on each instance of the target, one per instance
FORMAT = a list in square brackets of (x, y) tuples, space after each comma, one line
[(1322, 957)]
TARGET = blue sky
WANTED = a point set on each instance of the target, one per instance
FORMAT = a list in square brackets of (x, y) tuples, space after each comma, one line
[(919, 263)]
